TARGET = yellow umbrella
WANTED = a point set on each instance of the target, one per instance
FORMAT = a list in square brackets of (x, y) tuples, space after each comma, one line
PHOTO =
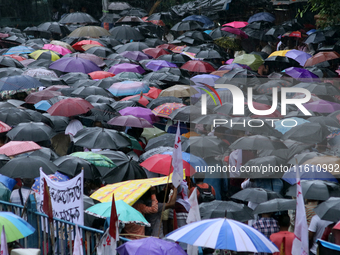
[(329, 163), (44, 54), (281, 53), (129, 191)]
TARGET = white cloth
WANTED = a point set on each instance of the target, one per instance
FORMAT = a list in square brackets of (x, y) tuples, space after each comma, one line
[(4, 247), (177, 161), (107, 245), (317, 226), (193, 216), (235, 160), (78, 244), (300, 243), (73, 127)]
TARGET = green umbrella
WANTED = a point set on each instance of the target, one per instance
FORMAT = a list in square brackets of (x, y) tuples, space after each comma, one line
[(127, 214), (252, 60), (149, 133), (5, 193), (129, 76), (134, 142), (95, 159)]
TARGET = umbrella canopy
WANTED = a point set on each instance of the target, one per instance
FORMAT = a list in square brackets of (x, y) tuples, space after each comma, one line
[(256, 195), (228, 209), (132, 46), (15, 227), (70, 107), (329, 210), (97, 75), (188, 25), (289, 122), (36, 97), (252, 60), (89, 31), (135, 55), (235, 31), (311, 132), (13, 148), (204, 146), (316, 190), (156, 52), (94, 158), (44, 54), (257, 142), (10, 62), (78, 18), (166, 109), (33, 131), (72, 166), (262, 16), (127, 88), (322, 57), (130, 121), (19, 82), (76, 64), (207, 23), (299, 56), (59, 49), (28, 167), (276, 205), (151, 246), (225, 234), (140, 113), (126, 33), (127, 214), (101, 138), (95, 59), (301, 74), (159, 139), (178, 91), (322, 106), (79, 45), (198, 66), (236, 24), (126, 68), (90, 90), (156, 65)]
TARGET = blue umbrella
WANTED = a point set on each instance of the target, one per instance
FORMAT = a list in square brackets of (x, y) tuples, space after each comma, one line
[(191, 159), (262, 16), (208, 31), (286, 124), (205, 78), (19, 50), (8, 182), (42, 105), (308, 172), (207, 23), (18, 82)]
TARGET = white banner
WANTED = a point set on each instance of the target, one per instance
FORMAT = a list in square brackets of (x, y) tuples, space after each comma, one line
[(66, 198)]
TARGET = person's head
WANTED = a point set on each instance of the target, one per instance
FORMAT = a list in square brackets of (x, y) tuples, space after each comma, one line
[(83, 9), (266, 215), (27, 182), (71, 10), (284, 222)]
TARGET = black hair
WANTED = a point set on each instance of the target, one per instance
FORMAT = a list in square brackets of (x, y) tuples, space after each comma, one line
[(284, 220)]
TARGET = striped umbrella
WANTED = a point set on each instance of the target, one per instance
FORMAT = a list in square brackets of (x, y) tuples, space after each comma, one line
[(224, 234), (15, 227)]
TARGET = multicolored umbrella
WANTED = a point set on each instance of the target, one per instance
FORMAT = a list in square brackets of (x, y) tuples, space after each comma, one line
[(58, 177), (127, 214), (166, 109), (95, 159), (127, 88), (15, 226), (44, 54)]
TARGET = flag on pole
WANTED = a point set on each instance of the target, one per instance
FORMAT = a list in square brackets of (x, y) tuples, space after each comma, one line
[(47, 204), (300, 243), (78, 243), (4, 247), (193, 216), (108, 242), (177, 161)]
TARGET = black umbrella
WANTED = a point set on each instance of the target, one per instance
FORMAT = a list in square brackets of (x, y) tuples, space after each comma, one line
[(205, 146), (276, 205), (72, 166), (126, 168), (59, 123), (228, 209), (325, 120), (319, 89), (322, 72), (159, 16), (44, 152), (256, 195), (267, 87), (138, 12), (175, 58), (150, 30), (119, 6), (10, 71), (3, 160), (218, 33), (166, 140), (210, 54), (49, 81), (10, 62), (316, 190), (78, 17), (329, 209), (101, 112), (298, 113), (240, 77), (132, 46), (280, 62), (316, 37), (186, 26), (54, 27), (154, 151), (84, 92), (110, 17), (186, 113), (83, 83), (311, 132), (267, 166), (153, 42), (28, 167), (33, 131), (40, 63), (14, 116), (99, 51), (108, 41), (101, 138), (257, 142), (299, 159), (162, 100), (209, 119), (99, 99), (106, 83)]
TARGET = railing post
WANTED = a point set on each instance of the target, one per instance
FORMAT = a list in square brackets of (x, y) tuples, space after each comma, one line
[(32, 240)]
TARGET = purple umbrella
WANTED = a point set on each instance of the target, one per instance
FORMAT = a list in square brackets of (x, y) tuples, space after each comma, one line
[(130, 121), (76, 64), (135, 55), (301, 74), (140, 112), (205, 78), (322, 106), (233, 66), (95, 59), (299, 56), (126, 67), (150, 246), (128, 88), (156, 65)]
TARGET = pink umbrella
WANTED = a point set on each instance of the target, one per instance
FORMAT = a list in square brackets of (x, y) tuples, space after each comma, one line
[(235, 31), (61, 50), (230, 61), (236, 24)]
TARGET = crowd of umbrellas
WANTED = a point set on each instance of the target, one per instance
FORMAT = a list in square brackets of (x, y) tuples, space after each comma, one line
[(128, 77)]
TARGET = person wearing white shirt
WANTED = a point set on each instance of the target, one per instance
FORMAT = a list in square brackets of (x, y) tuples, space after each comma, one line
[(315, 231)]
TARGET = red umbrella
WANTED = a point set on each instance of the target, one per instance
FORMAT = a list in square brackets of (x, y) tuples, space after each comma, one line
[(4, 127), (17, 57), (35, 97), (100, 75), (156, 52), (78, 45), (156, 22), (166, 109), (161, 163), (236, 24), (130, 121), (235, 31), (70, 107), (17, 147), (321, 57), (166, 46), (198, 66), (153, 93)]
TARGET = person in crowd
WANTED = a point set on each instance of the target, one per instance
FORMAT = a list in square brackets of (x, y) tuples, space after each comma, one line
[(283, 239), (19, 196), (167, 36), (202, 187), (315, 231), (266, 224)]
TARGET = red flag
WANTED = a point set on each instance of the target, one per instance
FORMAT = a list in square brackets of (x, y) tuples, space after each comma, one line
[(47, 205), (113, 220)]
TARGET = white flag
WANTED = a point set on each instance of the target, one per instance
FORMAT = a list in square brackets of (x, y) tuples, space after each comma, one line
[(107, 244), (193, 216), (177, 161), (300, 243), (4, 247), (78, 244)]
